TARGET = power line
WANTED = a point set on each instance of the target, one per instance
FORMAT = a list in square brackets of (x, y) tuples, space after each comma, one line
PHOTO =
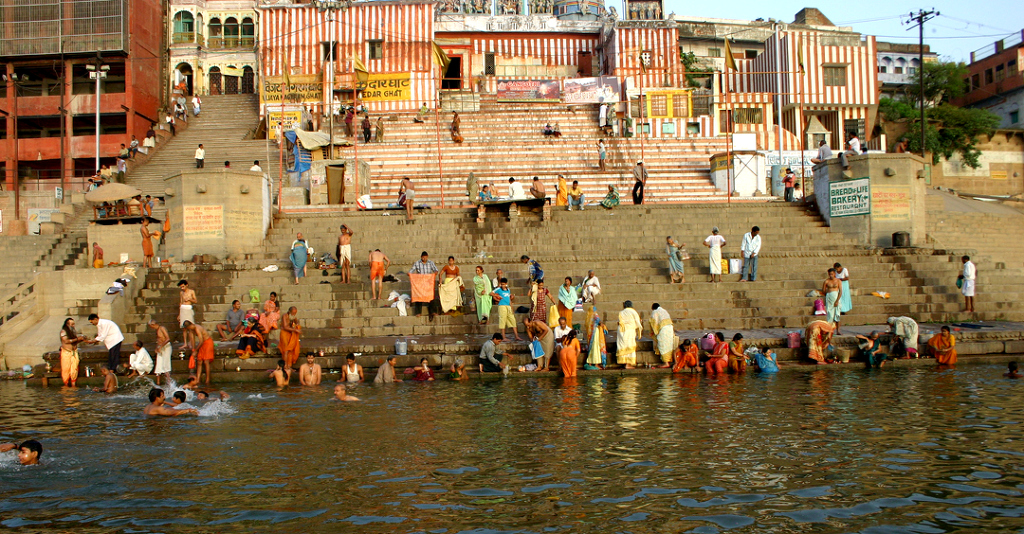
[(977, 24), (921, 17)]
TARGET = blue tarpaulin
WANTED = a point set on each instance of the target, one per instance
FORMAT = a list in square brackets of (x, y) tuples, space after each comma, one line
[(303, 159)]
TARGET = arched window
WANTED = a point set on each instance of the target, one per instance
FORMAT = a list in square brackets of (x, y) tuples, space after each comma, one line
[(216, 33), (248, 32), (184, 28), (231, 32), (248, 80)]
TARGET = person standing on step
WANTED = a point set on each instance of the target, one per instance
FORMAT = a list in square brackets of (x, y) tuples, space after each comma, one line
[(379, 134), (410, 197), (200, 156), (379, 263), (602, 155), (969, 274), (751, 248), (298, 256), (423, 282), (846, 301), (675, 260), (291, 334), (715, 242), (203, 349), (367, 126), (539, 332), (506, 317), (664, 335), (788, 181), (567, 298), (186, 311), (108, 333), (122, 169), (456, 126), (345, 253), (97, 256), (170, 123), (539, 296), (147, 244), (832, 290), (629, 330), (350, 117), (69, 340), (162, 366), (640, 176)]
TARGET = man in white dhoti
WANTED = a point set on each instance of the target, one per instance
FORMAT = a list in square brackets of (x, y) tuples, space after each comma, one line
[(629, 330), (967, 288), (715, 243)]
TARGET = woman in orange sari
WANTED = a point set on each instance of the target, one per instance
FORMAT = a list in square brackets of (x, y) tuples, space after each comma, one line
[(569, 353), (818, 337), (719, 356), (561, 192), (291, 333), (943, 347), (737, 360), (686, 356)]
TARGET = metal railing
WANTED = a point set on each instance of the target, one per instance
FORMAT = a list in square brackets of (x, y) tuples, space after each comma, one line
[(51, 27)]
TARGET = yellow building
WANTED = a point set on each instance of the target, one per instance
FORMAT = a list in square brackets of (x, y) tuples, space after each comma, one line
[(212, 46)]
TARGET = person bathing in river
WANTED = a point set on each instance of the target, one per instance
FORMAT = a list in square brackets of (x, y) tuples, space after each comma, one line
[(156, 406), (342, 395), (309, 372), (29, 451), (1011, 369), (281, 375), (109, 381)]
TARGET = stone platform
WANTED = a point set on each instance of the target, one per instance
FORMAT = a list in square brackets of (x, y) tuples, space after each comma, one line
[(998, 340)]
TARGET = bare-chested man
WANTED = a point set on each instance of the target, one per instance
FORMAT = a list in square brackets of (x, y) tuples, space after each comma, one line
[(282, 375), (832, 290), (379, 264), (309, 372), (345, 253), (162, 364), (97, 255), (203, 350), (186, 310), (410, 197), (156, 406), (341, 394), (109, 381), (538, 331)]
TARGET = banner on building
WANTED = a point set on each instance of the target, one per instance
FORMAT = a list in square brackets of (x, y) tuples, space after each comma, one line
[(849, 197), (528, 91), (386, 87), (591, 90), (301, 88)]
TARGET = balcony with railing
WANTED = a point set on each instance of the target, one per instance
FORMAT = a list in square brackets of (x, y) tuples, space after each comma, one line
[(188, 38), (52, 27)]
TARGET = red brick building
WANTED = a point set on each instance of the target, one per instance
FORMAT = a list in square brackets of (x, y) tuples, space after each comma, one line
[(45, 46)]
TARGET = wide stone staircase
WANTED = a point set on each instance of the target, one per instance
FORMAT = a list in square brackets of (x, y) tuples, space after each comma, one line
[(989, 232), (503, 140), (624, 246), (225, 128)]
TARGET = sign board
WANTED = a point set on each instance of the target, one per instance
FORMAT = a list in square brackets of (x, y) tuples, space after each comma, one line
[(58, 192), (890, 203), (386, 87), (849, 197), (203, 222), (528, 91), (291, 119), (39, 215), (591, 90), (301, 88)]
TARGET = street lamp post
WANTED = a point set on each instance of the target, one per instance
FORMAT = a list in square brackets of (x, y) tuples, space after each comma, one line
[(97, 72)]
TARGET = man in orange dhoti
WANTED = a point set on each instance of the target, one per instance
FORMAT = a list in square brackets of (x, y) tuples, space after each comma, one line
[(204, 352), (943, 347), (290, 334)]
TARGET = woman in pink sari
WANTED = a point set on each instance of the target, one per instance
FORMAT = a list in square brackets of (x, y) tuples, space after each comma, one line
[(818, 337), (719, 356)]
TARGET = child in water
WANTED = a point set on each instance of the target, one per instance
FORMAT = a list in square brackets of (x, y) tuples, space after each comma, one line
[(29, 451), (1012, 370)]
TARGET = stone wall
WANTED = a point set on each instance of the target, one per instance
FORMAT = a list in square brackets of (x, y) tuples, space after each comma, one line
[(1001, 172), (897, 188), (217, 212), (116, 239), (29, 200)]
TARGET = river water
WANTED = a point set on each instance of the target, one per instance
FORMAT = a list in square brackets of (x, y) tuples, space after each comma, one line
[(892, 450)]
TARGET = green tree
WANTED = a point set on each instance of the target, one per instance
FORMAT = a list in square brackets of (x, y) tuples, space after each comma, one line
[(950, 130), (694, 72)]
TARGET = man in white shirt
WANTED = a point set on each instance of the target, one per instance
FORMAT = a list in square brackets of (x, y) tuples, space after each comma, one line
[(515, 190), (197, 103), (110, 335), (498, 275), (256, 167), (750, 247), (561, 331), (969, 275), (854, 145), (140, 362), (824, 153), (200, 156)]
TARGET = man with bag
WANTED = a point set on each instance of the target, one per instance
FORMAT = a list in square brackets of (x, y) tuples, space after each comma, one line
[(750, 247)]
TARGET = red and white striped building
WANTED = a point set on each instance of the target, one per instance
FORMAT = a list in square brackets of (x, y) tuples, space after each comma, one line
[(829, 75), (388, 37)]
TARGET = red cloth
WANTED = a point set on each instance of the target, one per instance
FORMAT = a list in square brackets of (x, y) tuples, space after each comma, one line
[(205, 352)]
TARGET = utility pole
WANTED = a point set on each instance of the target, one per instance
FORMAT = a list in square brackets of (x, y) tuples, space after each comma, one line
[(920, 18)]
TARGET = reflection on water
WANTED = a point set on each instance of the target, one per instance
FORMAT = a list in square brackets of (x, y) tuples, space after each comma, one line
[(825, 451)]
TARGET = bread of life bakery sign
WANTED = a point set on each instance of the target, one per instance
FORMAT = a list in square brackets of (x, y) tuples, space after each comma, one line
[(849, 197)]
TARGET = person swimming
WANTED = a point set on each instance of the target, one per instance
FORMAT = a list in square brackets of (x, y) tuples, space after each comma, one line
[(157, 407), (1011, 369), (206, 395), (29, 451), (341, 394)]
